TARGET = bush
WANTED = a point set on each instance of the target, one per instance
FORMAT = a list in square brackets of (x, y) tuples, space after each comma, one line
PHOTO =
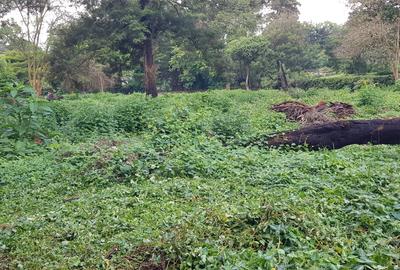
[(21, 113), (396, 86), (215, 101), (297, 93), (21, 119), (132, 115), (230, 125), (61, 112), (6, 74), (370, 96), (344, 81), (93, 119)]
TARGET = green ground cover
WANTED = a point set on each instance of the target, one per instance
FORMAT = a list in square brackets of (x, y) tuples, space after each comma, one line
[(129, 182)]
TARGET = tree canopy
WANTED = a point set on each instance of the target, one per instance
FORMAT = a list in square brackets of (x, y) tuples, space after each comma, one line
[(152, 46)]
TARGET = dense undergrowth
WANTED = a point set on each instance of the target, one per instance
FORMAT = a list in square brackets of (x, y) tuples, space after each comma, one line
[(127, 182)]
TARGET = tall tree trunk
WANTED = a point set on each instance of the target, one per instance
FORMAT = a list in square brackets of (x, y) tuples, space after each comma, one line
[(247, 77), (149, 69), (395, 65), (282, 78)]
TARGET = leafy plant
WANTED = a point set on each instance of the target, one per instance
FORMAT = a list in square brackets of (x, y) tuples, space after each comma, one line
[(370, 96), (92, 119), (230, 125), (21, 114), (166, 182)]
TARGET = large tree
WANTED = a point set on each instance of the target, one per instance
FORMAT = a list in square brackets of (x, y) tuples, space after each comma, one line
[(149, 31), (280, 8), (293, 45), (247, 50), (373, 31), (328, 36), (129, 27), (36, 19)]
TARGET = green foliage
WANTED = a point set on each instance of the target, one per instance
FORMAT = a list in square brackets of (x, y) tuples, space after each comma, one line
[(168, 180), (396, 86), (291, 42), (370, 96), (247, 50), (6, 73), (230, 125), (93, 119), (22, 119), (13, 66), (192, 67), (343, 81), (133, 116)]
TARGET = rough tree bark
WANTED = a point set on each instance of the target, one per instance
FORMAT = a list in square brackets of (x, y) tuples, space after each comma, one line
[(150, 69), (395, 66), (337, 135)]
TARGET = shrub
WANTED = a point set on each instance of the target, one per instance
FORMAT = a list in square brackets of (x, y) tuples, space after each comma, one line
[(396, 86), (230, 125), (61, 112), (343, 81), (21, 113), (297, 93), (132, 115), (93, 119), (21, 116), (216, 101), (370, 96), (6, 73)]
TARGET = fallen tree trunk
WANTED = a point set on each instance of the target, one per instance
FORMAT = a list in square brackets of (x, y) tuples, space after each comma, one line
[(337, 135)]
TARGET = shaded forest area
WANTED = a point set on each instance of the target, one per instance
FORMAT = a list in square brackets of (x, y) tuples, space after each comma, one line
[(166, 45)]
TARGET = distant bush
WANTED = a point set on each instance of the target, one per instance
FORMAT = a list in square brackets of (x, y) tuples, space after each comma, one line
[(217, 102), (297, 93), (61, 112), (370, 96), (396, 86), (344, 81)]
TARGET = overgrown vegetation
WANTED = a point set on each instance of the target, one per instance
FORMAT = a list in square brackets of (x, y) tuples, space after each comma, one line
[(190, 181), (128, 182)]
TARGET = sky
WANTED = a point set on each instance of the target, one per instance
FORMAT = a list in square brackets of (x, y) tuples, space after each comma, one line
[(318, 11)]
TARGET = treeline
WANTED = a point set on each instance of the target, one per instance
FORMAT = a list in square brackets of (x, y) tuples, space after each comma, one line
[(168, 45)]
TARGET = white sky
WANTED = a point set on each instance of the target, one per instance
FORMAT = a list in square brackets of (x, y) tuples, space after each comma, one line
[(318, 11)]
